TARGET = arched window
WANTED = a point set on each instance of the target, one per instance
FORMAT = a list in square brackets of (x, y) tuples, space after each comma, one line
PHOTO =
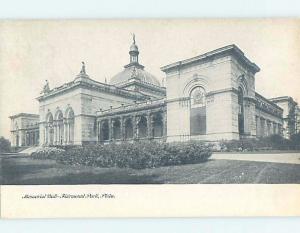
[(241, 111), (198, 111)]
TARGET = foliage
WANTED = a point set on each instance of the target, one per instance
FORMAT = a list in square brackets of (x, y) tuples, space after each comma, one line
[(47, 153), (273, 142), (295, 140), (4, 145), (136, 155)]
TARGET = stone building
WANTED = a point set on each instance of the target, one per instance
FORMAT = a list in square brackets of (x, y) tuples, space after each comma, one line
[(290, 114), (24, 130), (209, 97)]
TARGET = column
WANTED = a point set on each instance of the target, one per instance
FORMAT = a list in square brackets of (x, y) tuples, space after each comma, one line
[(269, 127), (276, 128), (122, 128), (262, 127), (99, 131), (258, 131), (135, 128), (55, 133), (112, 129), (46, 134), (110, 133), (164, 124), (69, 133), (65, 132), (149, 125)]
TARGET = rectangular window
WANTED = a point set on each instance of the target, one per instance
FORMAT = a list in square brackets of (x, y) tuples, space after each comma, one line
[(198, 121)]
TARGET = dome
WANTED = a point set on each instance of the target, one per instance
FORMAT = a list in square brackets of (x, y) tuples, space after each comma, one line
[(134, 48), (139, 74), (134, 70)]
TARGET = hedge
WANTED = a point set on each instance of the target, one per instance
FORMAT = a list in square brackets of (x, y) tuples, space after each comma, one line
[(137, 155), (273, 142)]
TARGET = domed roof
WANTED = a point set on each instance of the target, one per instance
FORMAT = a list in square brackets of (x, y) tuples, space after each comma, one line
[(134, 48), (134, 72)]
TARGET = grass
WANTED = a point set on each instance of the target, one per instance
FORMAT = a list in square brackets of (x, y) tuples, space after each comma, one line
[(24, 170), (258, 152)]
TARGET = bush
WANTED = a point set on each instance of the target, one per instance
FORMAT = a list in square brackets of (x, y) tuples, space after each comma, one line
[(4, 145), (47, 153), (295, 140), (273, 142), (136, 155)]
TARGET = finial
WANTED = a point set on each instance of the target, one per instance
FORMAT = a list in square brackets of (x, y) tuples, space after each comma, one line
[(105, 81), (82, 68), (133, 38)]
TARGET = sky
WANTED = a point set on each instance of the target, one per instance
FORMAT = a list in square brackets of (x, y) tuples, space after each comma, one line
[(32, 51)]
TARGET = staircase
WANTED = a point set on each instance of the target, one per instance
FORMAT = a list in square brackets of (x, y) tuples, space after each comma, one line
[(29, 150)]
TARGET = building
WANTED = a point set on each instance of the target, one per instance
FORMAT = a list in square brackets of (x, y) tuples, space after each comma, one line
[(290, 113), (210, 97), (24, 130)]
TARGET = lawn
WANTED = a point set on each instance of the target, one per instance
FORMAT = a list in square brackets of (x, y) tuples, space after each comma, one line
[(24, 170)]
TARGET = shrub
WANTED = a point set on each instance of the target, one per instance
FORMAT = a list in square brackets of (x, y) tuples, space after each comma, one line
[(4, 145), (136, 155), (295, 140), (240, 145), (273, 142), (47, 153)]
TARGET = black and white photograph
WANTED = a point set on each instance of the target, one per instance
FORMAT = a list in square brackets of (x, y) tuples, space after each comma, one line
[(150, 102)]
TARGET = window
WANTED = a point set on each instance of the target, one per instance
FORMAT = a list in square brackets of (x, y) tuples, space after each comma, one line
[(198, 111)]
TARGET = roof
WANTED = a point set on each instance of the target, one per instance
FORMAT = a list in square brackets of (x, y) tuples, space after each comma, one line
[(283, 99), (229, 49), (22, 114), (90, 83), (139, 74), (268, 101)]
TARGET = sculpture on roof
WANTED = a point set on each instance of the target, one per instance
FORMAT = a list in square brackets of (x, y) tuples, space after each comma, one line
[(46, 88), (82, 68)]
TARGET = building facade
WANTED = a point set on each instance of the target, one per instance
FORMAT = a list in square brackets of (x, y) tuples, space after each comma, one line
[(210, 97), (24, 130), (290, 114)]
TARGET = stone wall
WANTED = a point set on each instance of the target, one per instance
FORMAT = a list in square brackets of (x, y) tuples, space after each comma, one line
[(85, 102), (220, 77)]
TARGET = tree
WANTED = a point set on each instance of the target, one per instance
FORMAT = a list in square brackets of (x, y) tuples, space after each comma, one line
[(4, 145)]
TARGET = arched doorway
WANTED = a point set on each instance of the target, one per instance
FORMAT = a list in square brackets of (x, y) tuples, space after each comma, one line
[(116, 129), (104, 130), (142, 127), (157, 125), (128, 129), (198, 111)]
